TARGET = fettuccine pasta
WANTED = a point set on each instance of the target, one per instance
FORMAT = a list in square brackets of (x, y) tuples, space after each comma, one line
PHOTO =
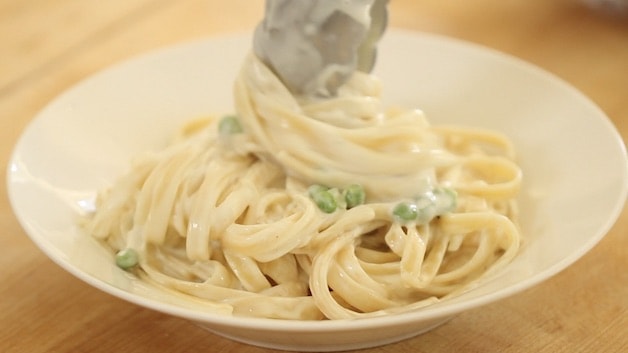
[(306, 209)]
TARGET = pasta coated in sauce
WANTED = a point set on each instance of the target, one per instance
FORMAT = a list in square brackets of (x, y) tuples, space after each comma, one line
[(225, 214)]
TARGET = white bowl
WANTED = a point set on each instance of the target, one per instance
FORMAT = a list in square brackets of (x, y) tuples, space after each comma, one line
[(574, 164)]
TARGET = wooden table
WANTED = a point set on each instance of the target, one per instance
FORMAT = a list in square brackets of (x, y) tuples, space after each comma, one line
[(46, 46)]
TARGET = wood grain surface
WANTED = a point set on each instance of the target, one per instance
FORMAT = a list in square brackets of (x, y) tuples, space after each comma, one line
[(46, 46)]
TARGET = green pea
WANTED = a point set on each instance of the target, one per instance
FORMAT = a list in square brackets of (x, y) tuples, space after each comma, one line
[(325, 201), (127, 258), (323, 198), (354, 195), (229, 125), (405, 211)]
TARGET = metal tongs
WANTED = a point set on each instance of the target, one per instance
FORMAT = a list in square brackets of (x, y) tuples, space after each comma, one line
[(314, 46)]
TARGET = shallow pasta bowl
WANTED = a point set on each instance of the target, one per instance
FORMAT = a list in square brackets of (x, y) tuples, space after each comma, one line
[(86, 137)]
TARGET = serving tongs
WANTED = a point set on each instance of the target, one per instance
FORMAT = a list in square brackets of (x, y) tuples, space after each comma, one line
[(314, 46)]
